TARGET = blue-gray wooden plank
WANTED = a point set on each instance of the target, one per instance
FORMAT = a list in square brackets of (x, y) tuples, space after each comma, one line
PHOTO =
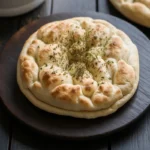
[(73, 5), (136, 136)]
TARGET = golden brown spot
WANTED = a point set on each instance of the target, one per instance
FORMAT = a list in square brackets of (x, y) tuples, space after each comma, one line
[(27, 76), (73, 91), (46, 76), (50, 36), (125, 73), (64, 88), (64, 92), (37, 85), (27, 67), (55, 79), (55, 93), (105, 98), (34, 42), (100, 99), (118, 92), (30, 51), (46, 79), (65, 97), (100, 88), (48, 82), (23, 58), (25, 64), (88, 88), (106, 89), (44, 53)]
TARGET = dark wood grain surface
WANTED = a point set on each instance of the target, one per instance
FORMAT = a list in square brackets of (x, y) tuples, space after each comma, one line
[(8, 26), (4, 128), (16, 136)]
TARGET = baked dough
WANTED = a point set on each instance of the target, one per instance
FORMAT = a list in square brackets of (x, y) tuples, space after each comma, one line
[(136, 10), (78, 67)]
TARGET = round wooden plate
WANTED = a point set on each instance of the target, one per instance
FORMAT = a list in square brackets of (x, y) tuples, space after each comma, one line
[(69, 127)]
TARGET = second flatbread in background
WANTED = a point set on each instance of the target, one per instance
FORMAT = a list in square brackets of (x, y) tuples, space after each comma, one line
[(136, 10)]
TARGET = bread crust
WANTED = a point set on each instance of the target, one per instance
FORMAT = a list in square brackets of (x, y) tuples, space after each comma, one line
[(78, 67), (135, 10)]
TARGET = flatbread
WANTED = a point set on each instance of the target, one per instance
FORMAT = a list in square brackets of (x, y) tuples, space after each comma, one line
[(135, 10), (78, 67)]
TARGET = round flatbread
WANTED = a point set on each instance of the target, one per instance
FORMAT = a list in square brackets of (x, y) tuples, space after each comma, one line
[(136, 10), (78, 67)]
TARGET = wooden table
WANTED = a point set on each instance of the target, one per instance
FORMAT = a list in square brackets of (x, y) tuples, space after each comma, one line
[(17, 136)]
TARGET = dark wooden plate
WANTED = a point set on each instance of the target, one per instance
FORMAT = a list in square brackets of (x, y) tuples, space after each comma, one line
[(68, 127)]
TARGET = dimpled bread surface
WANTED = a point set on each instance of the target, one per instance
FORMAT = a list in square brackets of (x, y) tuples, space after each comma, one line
[(78, 67)]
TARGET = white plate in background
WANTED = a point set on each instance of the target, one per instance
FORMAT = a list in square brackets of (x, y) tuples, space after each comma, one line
[(10, 8)]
